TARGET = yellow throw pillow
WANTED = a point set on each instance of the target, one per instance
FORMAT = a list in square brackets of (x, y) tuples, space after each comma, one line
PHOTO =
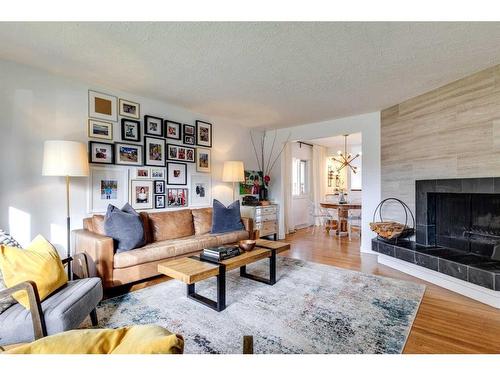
[(40, 263), (148, 339)]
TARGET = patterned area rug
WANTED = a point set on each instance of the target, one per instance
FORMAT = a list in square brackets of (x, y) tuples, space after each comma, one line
[(313, 308)]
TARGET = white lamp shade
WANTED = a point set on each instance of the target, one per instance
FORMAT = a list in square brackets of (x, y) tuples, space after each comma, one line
[(65, 158), (233, 171)]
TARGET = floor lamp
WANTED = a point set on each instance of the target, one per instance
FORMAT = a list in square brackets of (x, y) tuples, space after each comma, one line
[(233, 171), (66, 159)]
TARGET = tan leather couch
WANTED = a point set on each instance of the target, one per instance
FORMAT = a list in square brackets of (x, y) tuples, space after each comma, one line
[(169, 235)]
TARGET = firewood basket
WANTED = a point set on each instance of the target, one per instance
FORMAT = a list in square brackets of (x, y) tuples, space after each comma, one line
[(400, 231)]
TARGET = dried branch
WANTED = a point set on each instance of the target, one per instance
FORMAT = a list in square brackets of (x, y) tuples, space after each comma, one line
[(255, 150), (281, 151), (266, 169)]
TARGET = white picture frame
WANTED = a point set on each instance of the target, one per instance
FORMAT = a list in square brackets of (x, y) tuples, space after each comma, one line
[(117, 194), (142, 173), (129, 109), (158, 173), (103, 106), (201, 190), (203, 160), (128, 154), (154, 151), (141, 194)]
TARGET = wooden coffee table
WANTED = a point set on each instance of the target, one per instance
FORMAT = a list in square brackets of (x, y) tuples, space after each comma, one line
[(191, 270)]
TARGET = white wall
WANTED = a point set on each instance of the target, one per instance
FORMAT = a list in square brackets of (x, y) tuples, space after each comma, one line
[(36, 106), (300, 204), (369, 125)]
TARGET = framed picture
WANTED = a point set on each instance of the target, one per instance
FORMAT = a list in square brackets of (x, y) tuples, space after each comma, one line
[(102, 106), (107, 185), (177, 197), (254, 180), (176, 173), (180, 153), (153, 126), (201, 190), (160, 201), (172, 130), (203, 133), (160, 187), (189, 135), (100, 129), (143, 173), (203, 160), (154, 151), (158, 173), (129, 109), (128, 154), (101, 153), (131, 130), (141, 194)]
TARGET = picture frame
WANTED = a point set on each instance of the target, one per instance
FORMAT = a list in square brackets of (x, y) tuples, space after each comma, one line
[(129, 109), (188, 134), (160, 201), (159, 186), (141, 194), (101, 152), (158, 173), (153, 126), (107, 185), (102, 106), (201, 190), (203, 133), (154, 151), (143, 173), (181, 153), (100, 129), (177, 197), (203, 160), (176, 173), (172, 130), (131, 130), (128, 154), (254, 181)]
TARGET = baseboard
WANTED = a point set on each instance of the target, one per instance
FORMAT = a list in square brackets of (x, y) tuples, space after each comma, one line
[(476, 292)]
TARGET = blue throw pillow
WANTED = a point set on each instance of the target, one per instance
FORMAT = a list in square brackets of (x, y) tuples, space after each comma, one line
[(226, 219), (125, 227)]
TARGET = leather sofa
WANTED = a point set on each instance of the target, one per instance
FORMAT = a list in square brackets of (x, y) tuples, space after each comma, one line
[(168, 235)]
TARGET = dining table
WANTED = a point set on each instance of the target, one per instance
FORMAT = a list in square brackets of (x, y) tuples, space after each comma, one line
[(343, 213)]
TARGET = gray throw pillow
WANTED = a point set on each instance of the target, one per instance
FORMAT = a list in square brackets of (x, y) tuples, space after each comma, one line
[(226, 219), (6, 240), (125, 227)]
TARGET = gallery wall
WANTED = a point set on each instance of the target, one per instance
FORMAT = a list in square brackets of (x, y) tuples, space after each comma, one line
[(36, 106)]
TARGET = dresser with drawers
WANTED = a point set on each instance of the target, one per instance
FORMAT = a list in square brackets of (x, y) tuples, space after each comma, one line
[(265, 219)]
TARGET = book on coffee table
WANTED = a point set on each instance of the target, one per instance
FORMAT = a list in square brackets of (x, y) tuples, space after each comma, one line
[(220, 253)]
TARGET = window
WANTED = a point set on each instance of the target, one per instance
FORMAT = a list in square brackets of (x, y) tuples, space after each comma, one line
[(299, 177)]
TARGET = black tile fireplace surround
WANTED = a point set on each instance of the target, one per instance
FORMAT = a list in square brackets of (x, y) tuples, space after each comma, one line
[(457, 230)]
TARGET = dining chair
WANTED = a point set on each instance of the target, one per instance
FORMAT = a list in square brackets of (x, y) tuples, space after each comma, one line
[(354, 221)]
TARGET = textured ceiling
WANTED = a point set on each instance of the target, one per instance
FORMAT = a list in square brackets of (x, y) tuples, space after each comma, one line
[(260, 74)]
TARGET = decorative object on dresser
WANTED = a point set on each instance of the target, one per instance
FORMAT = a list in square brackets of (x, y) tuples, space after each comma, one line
[(128, 154), (153, 126), (203, 133), (180, 153), (177, 197), (129, 109), (233, 171), (141, 194), (102, 106), (67, 159), (107, 186), (131, 130), (154, 151), (176, 173), (189, 134), (172, 130), (201, 190), (160, 201), (265, 219), (100, 129), (159, 187), (101, 152)]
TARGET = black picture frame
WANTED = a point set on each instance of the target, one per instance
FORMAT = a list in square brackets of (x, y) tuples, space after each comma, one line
[(174, 123), (146, 156), (169, 180), (135, 122), (158, 204), (199, 125), (146, 126), (186, 148), (140, 152), (189, 134), (111, 147), (159, 187)]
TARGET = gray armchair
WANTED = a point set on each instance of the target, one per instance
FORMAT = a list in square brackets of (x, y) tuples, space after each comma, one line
[(65, 309)]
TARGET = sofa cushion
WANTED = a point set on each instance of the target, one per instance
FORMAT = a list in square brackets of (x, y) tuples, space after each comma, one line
[(202, 220), (231, 237), (125, 227), (171, 224), (226, 219)]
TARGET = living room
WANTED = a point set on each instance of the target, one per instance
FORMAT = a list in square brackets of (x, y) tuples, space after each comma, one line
[(259, 188)]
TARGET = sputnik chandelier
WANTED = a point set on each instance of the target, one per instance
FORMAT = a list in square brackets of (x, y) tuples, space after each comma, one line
[(345, 159)]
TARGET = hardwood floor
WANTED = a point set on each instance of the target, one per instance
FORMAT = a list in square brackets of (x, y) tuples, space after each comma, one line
[(446, 322)]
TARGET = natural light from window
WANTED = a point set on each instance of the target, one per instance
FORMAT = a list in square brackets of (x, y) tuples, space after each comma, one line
[(299, 177)]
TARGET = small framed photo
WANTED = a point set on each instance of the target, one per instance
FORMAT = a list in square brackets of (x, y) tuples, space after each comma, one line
[(203, 160), (172, 130), (131, 130), (160, 201), (141, 194), (177, 197), (153, 126), (160, 187), (158, 173), (201, 190), (180, 153), (203, 133), (100, 129), (101, 153), (128, 154), (143, 173), (154, 151), (189, 135), (102, 106), (176, 173), (129, 109)]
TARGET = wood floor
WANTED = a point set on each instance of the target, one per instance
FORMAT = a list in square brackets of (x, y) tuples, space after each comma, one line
[(446, 322)]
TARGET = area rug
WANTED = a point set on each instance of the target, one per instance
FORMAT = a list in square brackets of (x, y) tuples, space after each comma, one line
[(313, 308)]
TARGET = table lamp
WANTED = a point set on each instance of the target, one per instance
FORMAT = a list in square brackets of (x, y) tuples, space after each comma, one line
[(67, 159), (233, 171)]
